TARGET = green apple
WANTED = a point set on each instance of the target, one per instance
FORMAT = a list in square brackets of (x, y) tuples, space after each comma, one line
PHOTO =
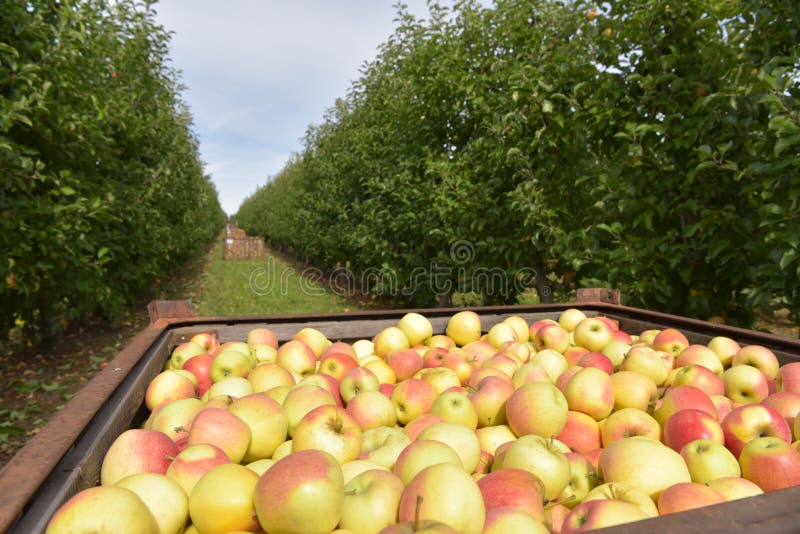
[(462, 440), (645, 463), (463, 327), (371, 501), (422, 453), (708, 460), (416, 327), (103, 509), (455, 407), (544, 458), (222, 500), (267, 421), (165, 499), (445, 493), (230, 363)]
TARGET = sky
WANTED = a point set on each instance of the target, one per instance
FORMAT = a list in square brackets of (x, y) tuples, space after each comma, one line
[(259, 72)]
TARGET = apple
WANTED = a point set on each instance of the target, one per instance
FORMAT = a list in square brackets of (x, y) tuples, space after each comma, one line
[(422, 453), (510, 519), (265, 376), (382, 370), (645, 463), (597, 514), (491, 437), (544, 458), (420, 526), (357, 380), (440, 340), (382, 445), (708, 460), (103, 509), (788, 378), (688, 425), (163, 496), (446, 493), (456, 408), (389, 340), (513, 487), (626, 423), (590, 391), (633, 390), (411, 398), (416, 425), (745, 384), (568, 319), (222, 428), (222, 500), (337, 365), (520, 327), (463, 327), (342, 347), (371, 409), (771, 462), (371, 501), (682, 398), (551, 336), (699, 355), (353, 468), (593, 334), (581, 433), (297, 357), (530, 372), (616, 352), (670, 340), (574, 353), (264, 353), (598, 360), (700, 377), (506, 363), (499, 334), (553, 362), (184, 352), (647, 336), (404, 363), (267, 421), (537, 408), (724, 347), (462, 440), (304, 481), (363, 348), (302, 399), (416, 327), (262, 336), (759, 357), (723, 405), (232, 386), (175, 418), (749, 421), (687, 496), (326, 382), (331, 429), (193, 462), (229, 363), (283, 450), (489, 399), (735, 487), (583, 477), (536, 325), (441, 378), (433, 357), (520, 351), (137, 451), (623, 492), (622, 336), (200, 367), (460, 362), (786, 403), (645, 361), (166, 387), (277, 393), (314, 338)]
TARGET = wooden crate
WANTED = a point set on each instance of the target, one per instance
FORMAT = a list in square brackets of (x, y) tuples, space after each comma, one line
[(243, 248), (66, 455)]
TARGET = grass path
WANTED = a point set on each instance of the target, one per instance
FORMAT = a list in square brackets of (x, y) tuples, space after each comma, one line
[(269, 286)]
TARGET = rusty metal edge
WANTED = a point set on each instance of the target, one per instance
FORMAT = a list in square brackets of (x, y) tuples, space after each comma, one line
[(22, 476)]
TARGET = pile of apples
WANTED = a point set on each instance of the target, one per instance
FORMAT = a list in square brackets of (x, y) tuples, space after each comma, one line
[(556, 426)]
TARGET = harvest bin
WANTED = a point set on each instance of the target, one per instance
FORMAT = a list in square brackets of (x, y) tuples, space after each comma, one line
[(65, 456)]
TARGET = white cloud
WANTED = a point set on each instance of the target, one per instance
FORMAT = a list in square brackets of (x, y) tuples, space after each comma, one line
[(258, 73)]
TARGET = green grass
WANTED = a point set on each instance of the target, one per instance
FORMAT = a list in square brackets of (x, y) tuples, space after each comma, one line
[(269, 286)]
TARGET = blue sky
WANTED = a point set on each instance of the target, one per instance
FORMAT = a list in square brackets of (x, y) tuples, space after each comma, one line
[(259, 72)]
